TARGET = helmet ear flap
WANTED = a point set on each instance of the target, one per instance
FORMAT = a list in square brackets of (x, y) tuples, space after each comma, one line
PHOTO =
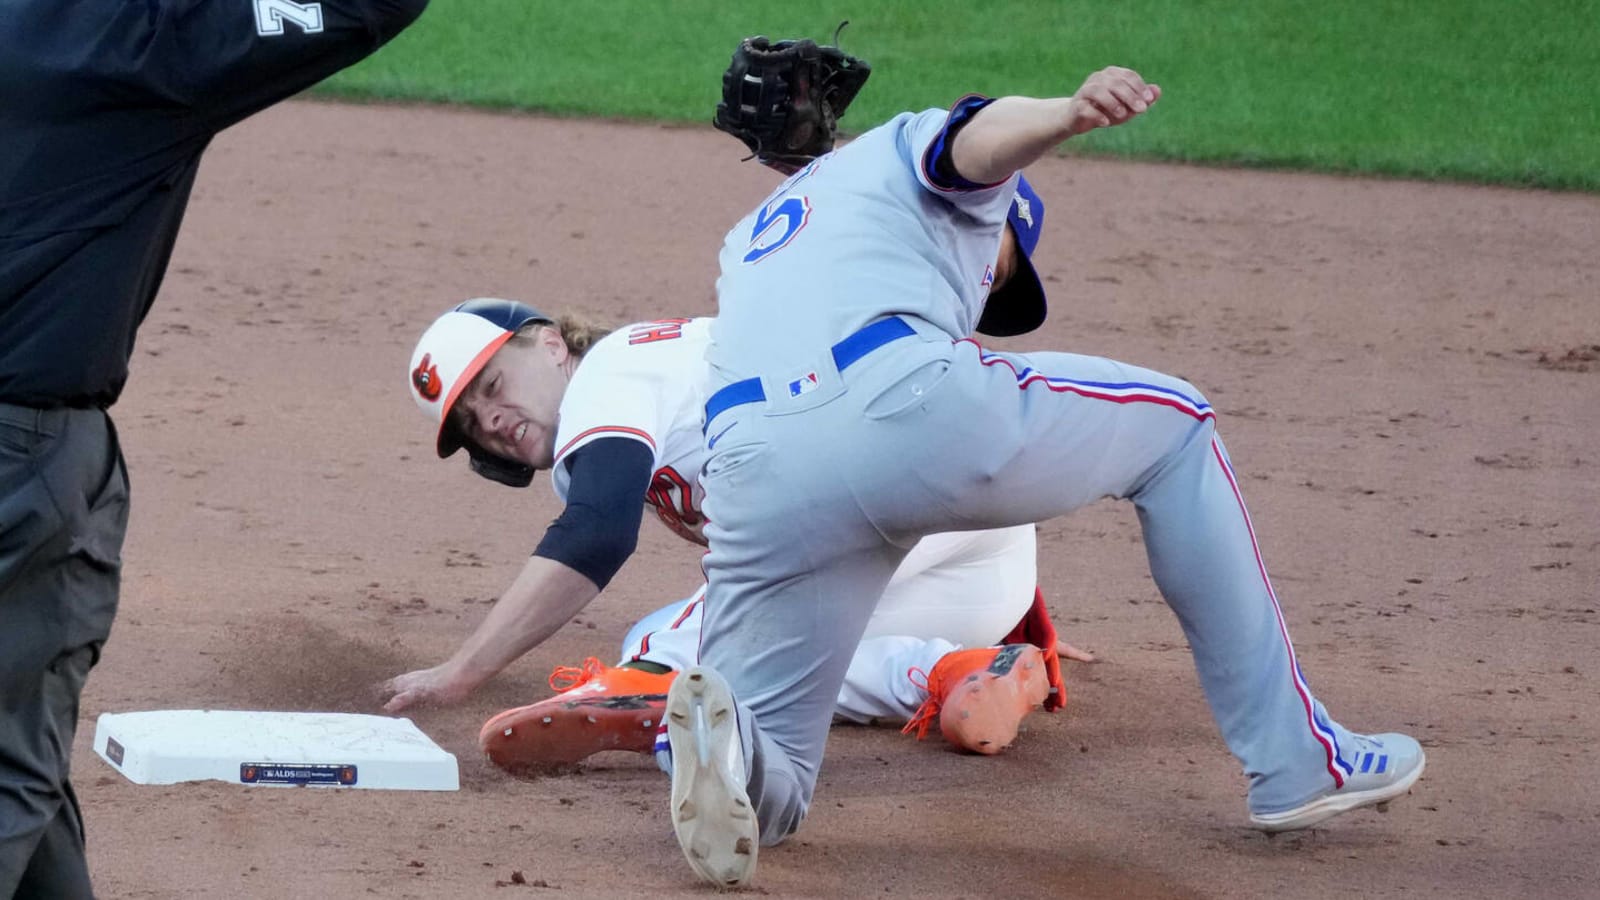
[(499, 469)]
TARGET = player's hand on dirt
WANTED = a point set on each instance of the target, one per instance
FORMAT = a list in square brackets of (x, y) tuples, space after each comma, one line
[(1067, 651), (1109, 97), (438, 686)]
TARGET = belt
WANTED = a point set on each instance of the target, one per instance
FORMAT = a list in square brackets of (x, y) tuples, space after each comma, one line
[(17, 414), (845, 353), (35, 418)]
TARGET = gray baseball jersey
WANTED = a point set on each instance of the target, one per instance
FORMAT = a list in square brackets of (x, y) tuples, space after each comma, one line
[(850, 417), (859, 234)]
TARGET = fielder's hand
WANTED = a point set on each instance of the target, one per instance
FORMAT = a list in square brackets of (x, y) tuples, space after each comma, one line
[(438, 686), (1109, 97)]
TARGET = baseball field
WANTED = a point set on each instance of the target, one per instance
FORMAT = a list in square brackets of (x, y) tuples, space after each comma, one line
[(1407, 373)]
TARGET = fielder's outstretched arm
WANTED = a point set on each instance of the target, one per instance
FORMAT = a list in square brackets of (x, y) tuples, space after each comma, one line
[(1014, 132)]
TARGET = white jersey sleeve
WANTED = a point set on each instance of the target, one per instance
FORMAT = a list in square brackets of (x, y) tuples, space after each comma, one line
[(644, 382)]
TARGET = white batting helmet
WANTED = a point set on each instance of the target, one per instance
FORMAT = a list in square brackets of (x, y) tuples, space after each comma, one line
[(453, 350)]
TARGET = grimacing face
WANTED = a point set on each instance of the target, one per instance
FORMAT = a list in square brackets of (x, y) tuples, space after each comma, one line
[(512, 406)]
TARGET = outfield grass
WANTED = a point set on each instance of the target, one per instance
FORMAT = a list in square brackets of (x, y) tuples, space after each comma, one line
[(1479, 90)]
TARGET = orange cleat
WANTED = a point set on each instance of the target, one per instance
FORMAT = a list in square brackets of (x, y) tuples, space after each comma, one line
[(981, 696), (599, 707)]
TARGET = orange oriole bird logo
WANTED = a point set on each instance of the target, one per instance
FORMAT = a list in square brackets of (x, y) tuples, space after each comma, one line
[(425, 378)]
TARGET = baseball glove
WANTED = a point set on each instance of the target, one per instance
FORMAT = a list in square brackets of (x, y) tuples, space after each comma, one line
[(784, 99)]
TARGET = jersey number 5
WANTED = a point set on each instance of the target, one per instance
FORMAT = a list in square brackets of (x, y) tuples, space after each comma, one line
[(776, 225)]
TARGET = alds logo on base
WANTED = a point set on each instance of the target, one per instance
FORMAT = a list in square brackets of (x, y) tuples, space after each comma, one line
[(309, 773)]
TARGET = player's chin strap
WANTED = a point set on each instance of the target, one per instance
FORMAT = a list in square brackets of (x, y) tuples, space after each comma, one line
[(500, 469)]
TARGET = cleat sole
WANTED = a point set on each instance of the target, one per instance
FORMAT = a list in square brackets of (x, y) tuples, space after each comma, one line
[(559, 733), (712, 817), (985, 713)]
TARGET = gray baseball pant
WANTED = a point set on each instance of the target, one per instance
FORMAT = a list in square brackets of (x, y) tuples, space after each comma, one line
[(63, 513), (811, 498)]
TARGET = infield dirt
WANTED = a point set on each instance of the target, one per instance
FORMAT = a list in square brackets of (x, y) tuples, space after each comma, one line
[(1408, 379)]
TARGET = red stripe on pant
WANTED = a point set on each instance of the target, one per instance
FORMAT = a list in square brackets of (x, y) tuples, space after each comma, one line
[(1283, 630)]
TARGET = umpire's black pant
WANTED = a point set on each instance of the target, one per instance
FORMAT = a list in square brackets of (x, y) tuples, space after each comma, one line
[(63, 512)]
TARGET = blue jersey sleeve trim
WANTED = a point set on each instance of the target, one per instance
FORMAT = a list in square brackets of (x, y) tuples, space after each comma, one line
[(937, 167)]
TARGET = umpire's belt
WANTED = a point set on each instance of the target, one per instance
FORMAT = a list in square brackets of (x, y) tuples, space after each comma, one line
[(33, 418), (845, 353)]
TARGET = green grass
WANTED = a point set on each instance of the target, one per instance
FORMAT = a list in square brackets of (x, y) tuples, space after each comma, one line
[(1478, 90)]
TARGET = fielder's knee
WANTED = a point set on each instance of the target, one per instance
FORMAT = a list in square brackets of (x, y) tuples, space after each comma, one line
[(782, 806)]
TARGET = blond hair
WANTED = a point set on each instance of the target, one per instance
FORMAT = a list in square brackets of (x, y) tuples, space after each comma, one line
[(577, 332)]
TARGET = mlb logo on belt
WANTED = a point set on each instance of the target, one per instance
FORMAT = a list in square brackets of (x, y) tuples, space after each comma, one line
[(805, 384)]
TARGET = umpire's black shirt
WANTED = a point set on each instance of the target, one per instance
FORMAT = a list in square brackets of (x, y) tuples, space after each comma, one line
[(105, 108)]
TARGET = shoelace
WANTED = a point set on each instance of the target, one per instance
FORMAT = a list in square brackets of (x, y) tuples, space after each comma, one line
[(565, 678), (928, 712)]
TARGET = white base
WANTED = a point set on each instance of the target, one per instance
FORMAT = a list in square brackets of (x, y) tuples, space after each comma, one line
[(316, 749)]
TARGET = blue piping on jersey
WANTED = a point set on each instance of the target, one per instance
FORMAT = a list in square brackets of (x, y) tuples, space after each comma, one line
[(960, 113)]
